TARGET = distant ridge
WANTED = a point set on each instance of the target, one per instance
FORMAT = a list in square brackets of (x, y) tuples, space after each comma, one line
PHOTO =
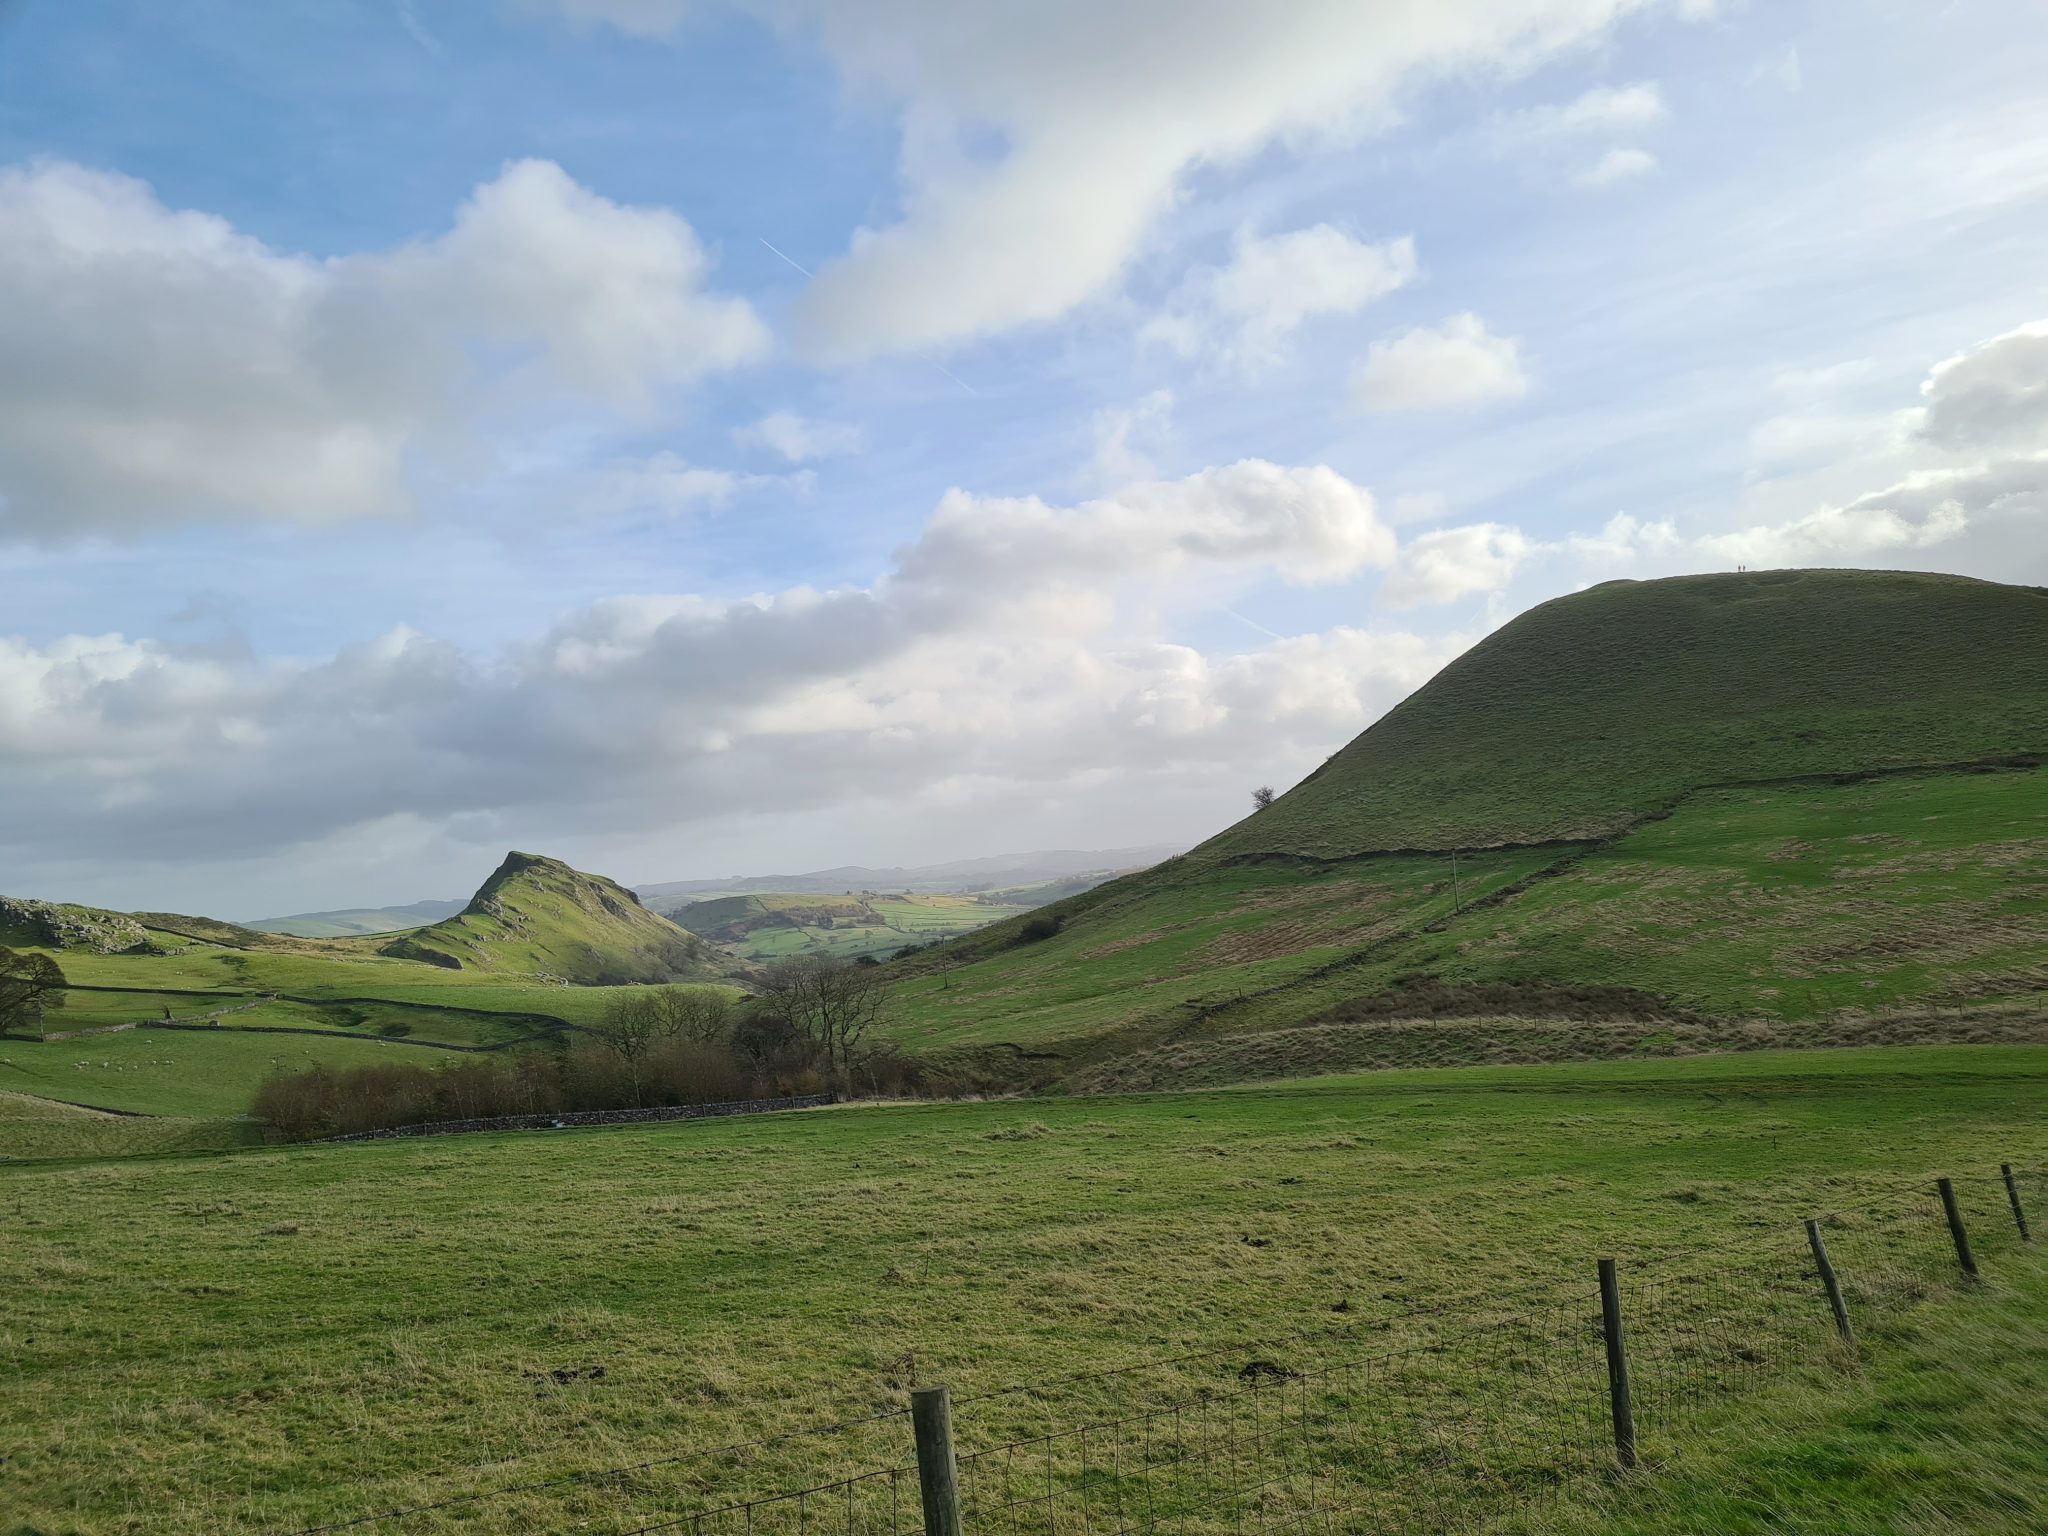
[(966, 876), (353, 922)]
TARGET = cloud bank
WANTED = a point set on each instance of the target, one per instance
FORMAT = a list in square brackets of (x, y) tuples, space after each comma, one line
[(158, 367)]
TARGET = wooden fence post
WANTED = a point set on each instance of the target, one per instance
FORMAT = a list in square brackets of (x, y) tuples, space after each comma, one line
[(2012, 1193), (1829, 1281), (938, 1477), (1618, 1398), (1955, 1227)]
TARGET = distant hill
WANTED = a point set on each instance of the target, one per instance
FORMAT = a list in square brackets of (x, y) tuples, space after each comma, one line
[(537, 916), (1797, 806), (352, 922), (966, 877)]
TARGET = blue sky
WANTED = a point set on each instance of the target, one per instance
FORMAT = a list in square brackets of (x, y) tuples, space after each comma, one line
[(693, 438)]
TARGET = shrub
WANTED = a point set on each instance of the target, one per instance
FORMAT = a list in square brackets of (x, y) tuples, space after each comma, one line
[(1039, 928)]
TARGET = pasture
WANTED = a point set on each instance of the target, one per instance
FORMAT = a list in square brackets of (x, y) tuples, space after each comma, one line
[(276, 1338)]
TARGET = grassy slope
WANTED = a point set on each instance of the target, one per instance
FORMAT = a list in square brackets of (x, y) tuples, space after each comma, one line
[(1594, 709), (536, 916), (740, 1276), (1908, 908), (174, 1072), (39, 1128), (1944, 1430), (1788, 901), (1189, 937)]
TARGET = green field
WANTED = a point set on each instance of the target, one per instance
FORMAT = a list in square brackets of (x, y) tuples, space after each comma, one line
[(1944, 1430), (265, 1340), (33, 1127), (191, 1073)]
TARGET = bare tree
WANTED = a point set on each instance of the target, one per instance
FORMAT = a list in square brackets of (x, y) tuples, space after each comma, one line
[(26, 982), (1262, 797), (631, 1026), (701, 1015), (834, 1003)]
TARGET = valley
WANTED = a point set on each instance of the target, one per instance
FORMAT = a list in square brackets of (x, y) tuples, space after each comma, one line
[(1379, 1067)]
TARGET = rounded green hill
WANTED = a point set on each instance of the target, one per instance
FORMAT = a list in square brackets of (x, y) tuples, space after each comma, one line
[(1594, 710)]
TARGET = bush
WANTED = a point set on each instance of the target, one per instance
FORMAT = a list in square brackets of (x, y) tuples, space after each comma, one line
[(1037, 929), (764, 1057)]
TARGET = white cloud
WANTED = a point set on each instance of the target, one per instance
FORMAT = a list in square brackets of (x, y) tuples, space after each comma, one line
[(996, 645), (1617, 165), (1451, 563), (1603, 110), (1457, 363), (157, 366), (1996, 396), (1127, 436), (1246, 310), (1625, 539), (797, 439), (1100, 115), (666, 482)]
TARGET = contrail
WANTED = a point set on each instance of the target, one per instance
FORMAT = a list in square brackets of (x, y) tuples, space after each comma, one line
[(807, 272), (1253, 624)]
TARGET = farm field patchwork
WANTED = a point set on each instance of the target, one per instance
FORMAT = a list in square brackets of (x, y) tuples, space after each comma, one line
[(275, 1338), (769, 925)]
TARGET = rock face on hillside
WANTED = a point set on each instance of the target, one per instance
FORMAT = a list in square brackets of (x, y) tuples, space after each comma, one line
[(1590, 712), (62, 926), (537, 916)]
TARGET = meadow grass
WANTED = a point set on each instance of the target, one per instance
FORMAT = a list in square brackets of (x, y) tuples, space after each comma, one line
[(31, 1127), (211, 1073), (271, 1338), (1943, 1429)]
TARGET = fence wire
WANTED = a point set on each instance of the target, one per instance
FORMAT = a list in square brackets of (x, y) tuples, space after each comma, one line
[(1442, 1420)]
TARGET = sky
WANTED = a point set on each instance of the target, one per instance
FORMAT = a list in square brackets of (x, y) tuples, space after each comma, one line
[(698, 437)]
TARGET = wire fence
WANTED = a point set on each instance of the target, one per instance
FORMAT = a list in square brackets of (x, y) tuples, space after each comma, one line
[(1446, 1420)]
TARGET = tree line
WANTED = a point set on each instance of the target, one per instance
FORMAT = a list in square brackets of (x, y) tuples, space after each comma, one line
[(807, 1030)]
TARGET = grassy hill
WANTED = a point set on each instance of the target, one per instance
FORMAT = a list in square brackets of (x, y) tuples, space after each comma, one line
[(202, 1011), (1710, 811), (1591, 711), (536, 916)]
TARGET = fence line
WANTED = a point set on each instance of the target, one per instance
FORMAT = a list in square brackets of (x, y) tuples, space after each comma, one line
[(1449, 1426)]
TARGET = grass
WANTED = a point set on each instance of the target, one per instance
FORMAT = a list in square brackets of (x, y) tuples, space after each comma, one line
[(1191, 937), (281, 1336), (38, 1128), (1595, 709), (182, 1073), (1944, 1430), (1912, 907)]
